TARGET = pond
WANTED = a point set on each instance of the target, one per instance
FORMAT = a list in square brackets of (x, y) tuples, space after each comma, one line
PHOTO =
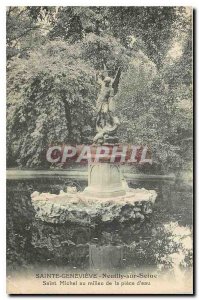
[(153, 244)]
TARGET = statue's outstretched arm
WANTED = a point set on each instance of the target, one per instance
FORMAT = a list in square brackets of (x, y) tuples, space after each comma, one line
[(105, 72)]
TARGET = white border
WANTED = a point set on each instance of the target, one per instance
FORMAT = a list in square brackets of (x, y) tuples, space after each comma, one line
[(101, 2), (3, 4)]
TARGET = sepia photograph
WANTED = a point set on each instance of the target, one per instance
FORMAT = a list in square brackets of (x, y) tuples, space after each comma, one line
[(99, 150)]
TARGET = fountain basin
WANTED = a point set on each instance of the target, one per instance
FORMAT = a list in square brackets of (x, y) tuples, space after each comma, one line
[(78, 207)]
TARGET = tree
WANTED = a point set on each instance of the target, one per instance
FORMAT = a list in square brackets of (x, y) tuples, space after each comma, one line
[(27, 27), (54, 54), (74, 23), (151, 28), (156, 107), (104, 50), (51, 101)]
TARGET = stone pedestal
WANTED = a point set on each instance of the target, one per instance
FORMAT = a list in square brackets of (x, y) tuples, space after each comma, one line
[(104, 180)]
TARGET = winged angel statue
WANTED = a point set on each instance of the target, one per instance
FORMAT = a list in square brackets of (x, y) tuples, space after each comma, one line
[(107, 123)]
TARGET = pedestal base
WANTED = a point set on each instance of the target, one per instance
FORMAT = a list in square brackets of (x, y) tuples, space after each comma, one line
[(104, 181)]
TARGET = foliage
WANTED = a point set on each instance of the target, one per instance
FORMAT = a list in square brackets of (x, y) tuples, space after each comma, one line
[(156, 107), (53, 56), (170, 248), (53, 97), (73, 23), (151, 27), (26, 28), (100, 50)]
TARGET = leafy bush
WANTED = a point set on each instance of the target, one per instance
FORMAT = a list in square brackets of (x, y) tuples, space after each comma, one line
[(51, 98)]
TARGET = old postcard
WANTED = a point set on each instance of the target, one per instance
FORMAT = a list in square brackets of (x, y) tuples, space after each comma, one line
[(99, 150)]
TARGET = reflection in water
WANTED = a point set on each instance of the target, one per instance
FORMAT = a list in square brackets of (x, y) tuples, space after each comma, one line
[(106, 257), (162, 242)]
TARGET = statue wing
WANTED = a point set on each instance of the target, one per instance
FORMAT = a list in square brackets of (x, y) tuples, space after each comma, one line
[(116, 81)]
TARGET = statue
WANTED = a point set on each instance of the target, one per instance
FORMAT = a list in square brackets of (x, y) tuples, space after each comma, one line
[(107, 123)]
